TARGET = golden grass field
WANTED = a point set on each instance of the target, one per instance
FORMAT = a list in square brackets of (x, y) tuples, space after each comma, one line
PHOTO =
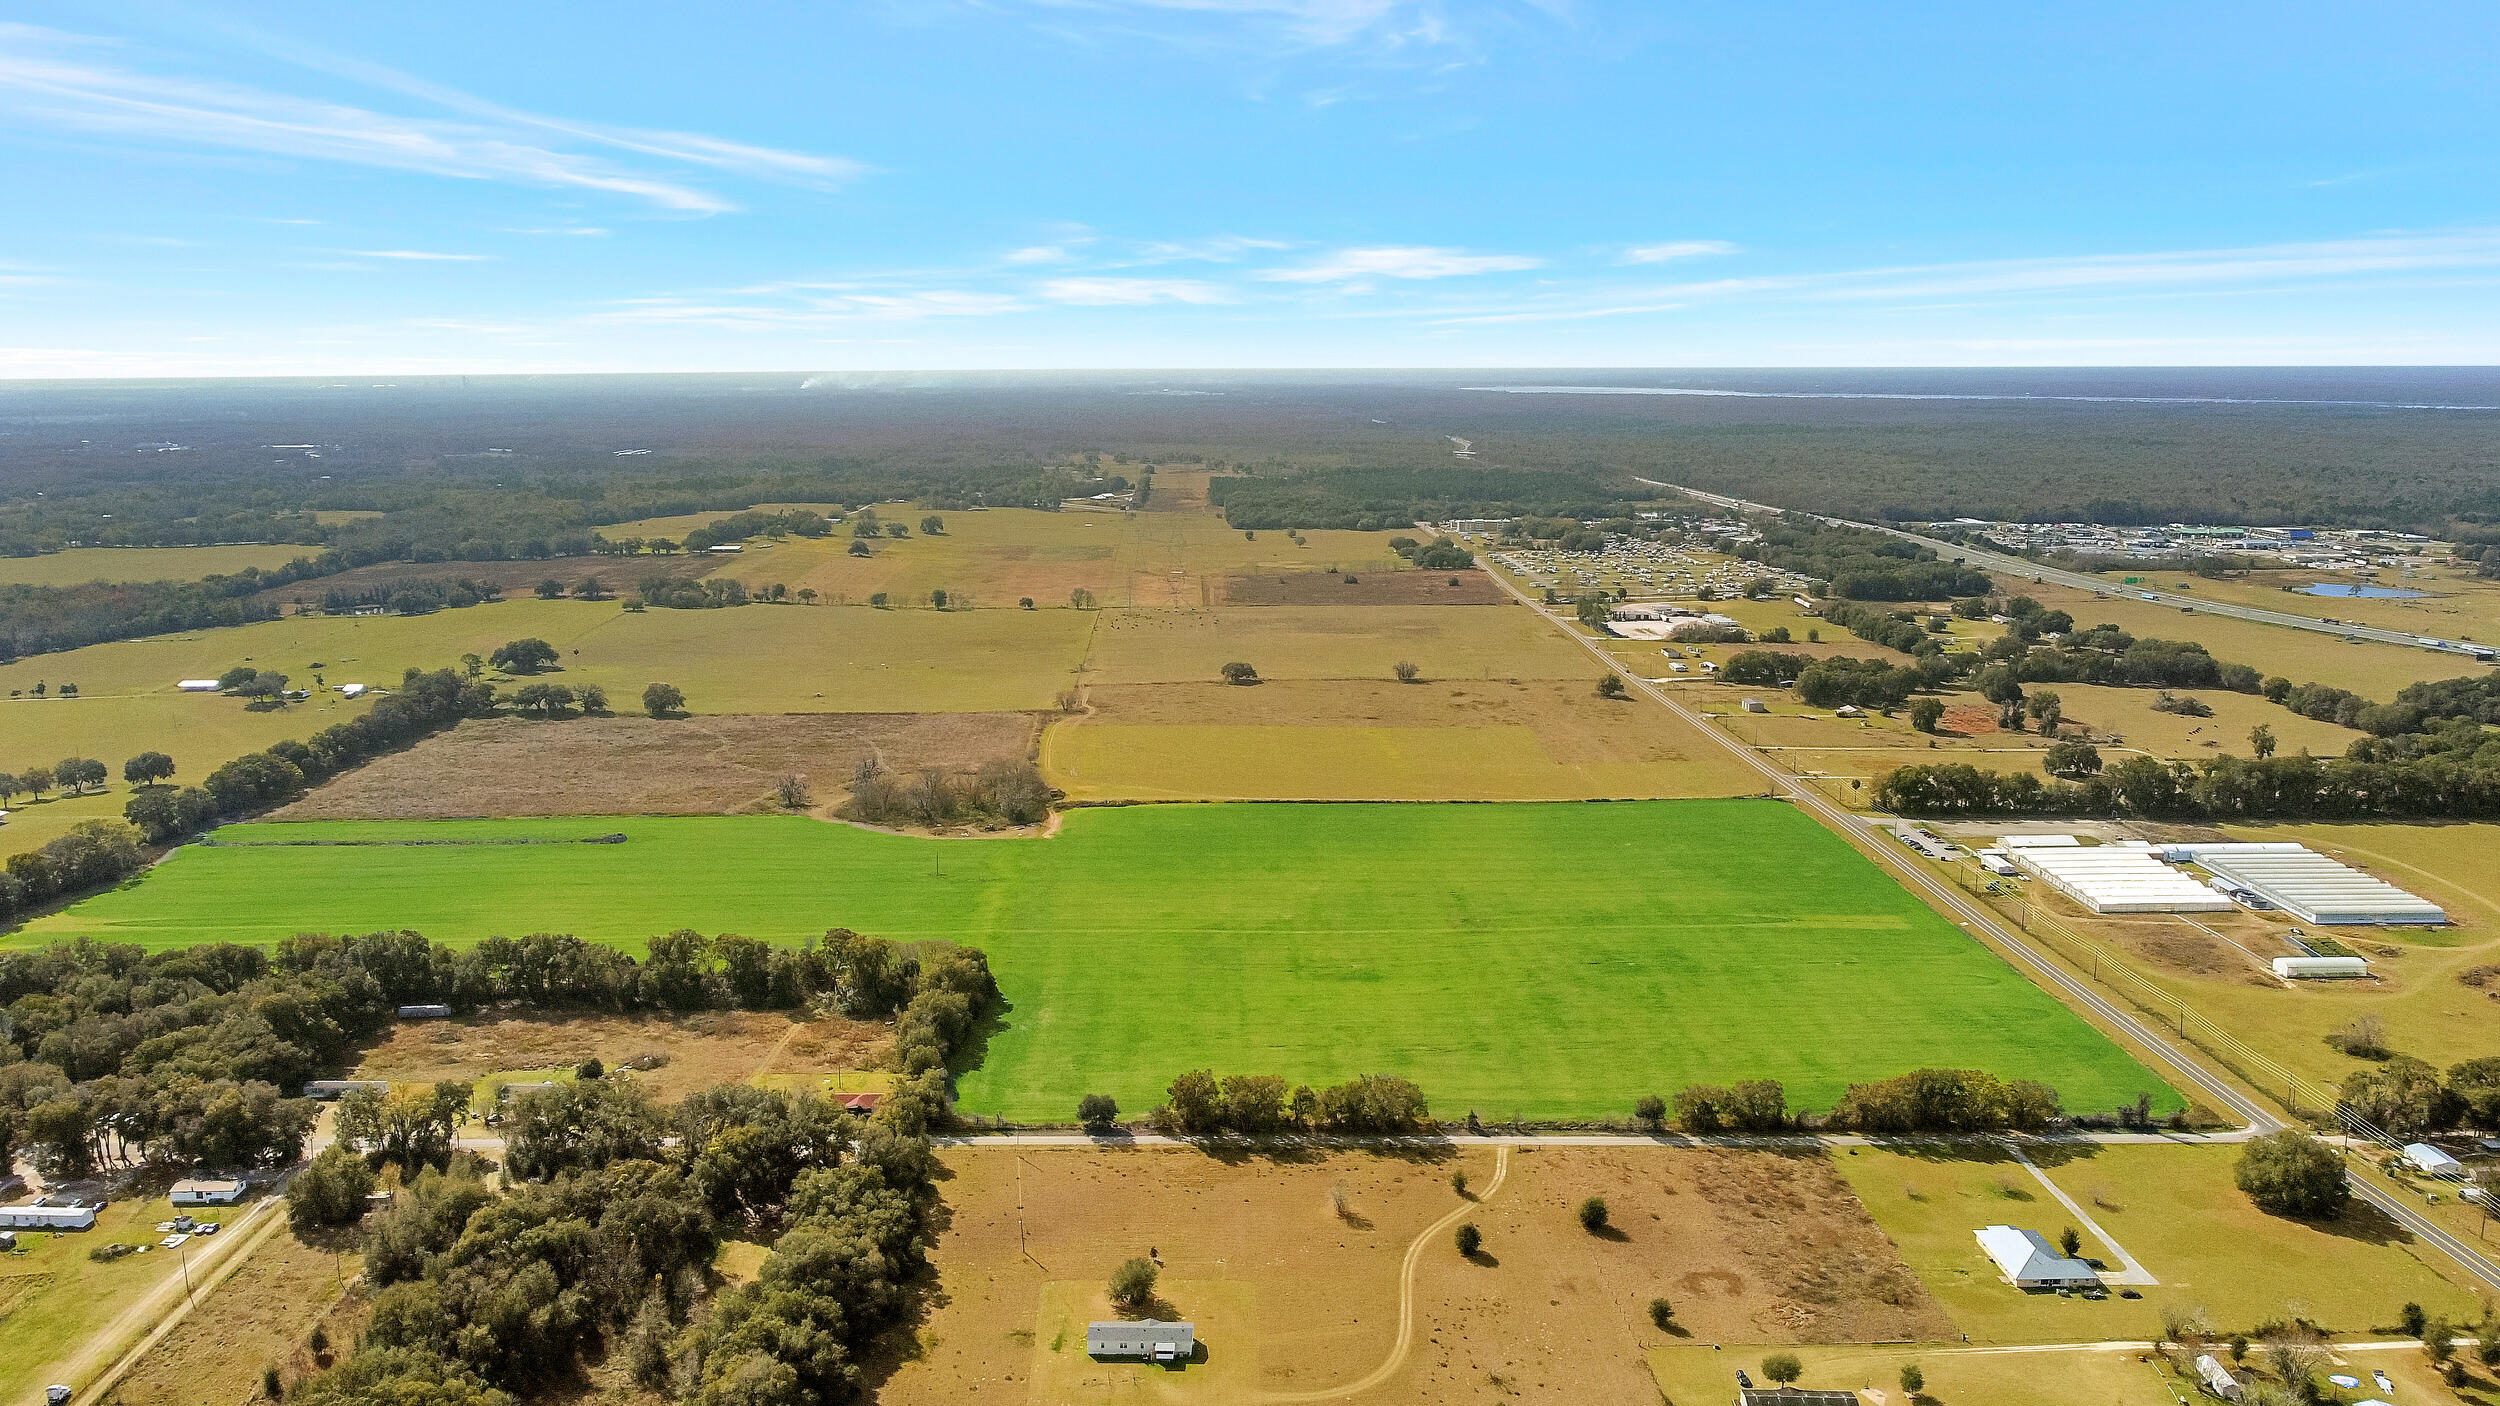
[(1147, 560), (1325, 642), (79, 565), (1371, 740)]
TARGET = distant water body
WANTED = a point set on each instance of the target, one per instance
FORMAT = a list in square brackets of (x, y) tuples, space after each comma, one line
[(1978, 395)]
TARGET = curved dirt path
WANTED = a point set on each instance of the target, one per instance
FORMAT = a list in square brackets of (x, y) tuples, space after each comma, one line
[(1406, 1297)]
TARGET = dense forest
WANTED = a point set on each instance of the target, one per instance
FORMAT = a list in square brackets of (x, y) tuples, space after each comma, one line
[(1374, 500)]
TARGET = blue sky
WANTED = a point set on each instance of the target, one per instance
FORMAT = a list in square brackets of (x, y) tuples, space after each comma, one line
[(909, 184)]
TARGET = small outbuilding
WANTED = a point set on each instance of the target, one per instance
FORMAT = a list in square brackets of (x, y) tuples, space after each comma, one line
[(2217, 1378), (197, 685), (2320, 968), (425, 1012), (351, 690), (1144, 1340), (206, 1192), (1754, 705), (2427, 1158), (326, 1089), (2029, 1262)]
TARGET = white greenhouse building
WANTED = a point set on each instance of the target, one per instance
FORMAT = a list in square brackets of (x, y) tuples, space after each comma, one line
[(2309, 886), (2116, 879)]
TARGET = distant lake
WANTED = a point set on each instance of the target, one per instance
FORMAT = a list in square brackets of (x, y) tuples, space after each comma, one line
[(2323, 588)]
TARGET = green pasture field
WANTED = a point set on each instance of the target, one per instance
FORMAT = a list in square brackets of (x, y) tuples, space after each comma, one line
[(1547, 960), (79, 565), (2176, 1209)]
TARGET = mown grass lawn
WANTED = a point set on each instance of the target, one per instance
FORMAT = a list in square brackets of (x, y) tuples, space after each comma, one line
[(1552, 960), (2177, 1210)]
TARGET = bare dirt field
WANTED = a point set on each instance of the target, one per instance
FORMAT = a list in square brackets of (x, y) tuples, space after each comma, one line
[(619, 574), (705, 765), (1363, 588), (701, 1050), (1179, 491), (1295, 1299)]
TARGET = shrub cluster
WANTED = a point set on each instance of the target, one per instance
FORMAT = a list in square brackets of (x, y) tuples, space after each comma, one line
[(1004, 791), (1260, 1104)]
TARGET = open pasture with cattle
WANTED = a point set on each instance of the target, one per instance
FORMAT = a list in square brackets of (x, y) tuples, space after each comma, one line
[(1541, 960)]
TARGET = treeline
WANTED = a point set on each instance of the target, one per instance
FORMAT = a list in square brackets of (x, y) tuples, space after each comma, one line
[(1004, 791), (1860, 564), (1258, 1105), (1372, 500), (685, 593), (1921, 1101), (419, 597), (1832, 682), (738, 527), (2406, 1097), (1439, 554), (2433, 752)]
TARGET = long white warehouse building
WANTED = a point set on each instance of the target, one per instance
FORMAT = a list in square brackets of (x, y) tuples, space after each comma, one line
[(2116, 879), (2312, 887)]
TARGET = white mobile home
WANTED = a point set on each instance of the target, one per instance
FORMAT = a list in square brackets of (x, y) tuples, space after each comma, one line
[(204, 1192), (47, 1217)]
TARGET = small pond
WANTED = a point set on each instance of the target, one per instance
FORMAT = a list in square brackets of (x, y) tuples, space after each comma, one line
[(2325, 588)]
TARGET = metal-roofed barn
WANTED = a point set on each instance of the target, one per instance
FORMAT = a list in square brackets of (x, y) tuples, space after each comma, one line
[(2312, 887), (1793, 1396)]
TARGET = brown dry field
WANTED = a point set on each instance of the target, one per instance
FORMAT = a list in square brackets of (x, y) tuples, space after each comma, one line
[(1178, 491), (706, 765), (260, 1316), (1366, 588), (1750, 1247), (618, 574), (702, 1050)]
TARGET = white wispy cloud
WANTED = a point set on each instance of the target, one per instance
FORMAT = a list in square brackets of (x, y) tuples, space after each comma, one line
[(1676, 249), (1403, 261), (1126, 292), (2298, 262), (1039, 254), (1309, 23), (419, 256), (573, 231), (80, 83), (1215, 249)]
